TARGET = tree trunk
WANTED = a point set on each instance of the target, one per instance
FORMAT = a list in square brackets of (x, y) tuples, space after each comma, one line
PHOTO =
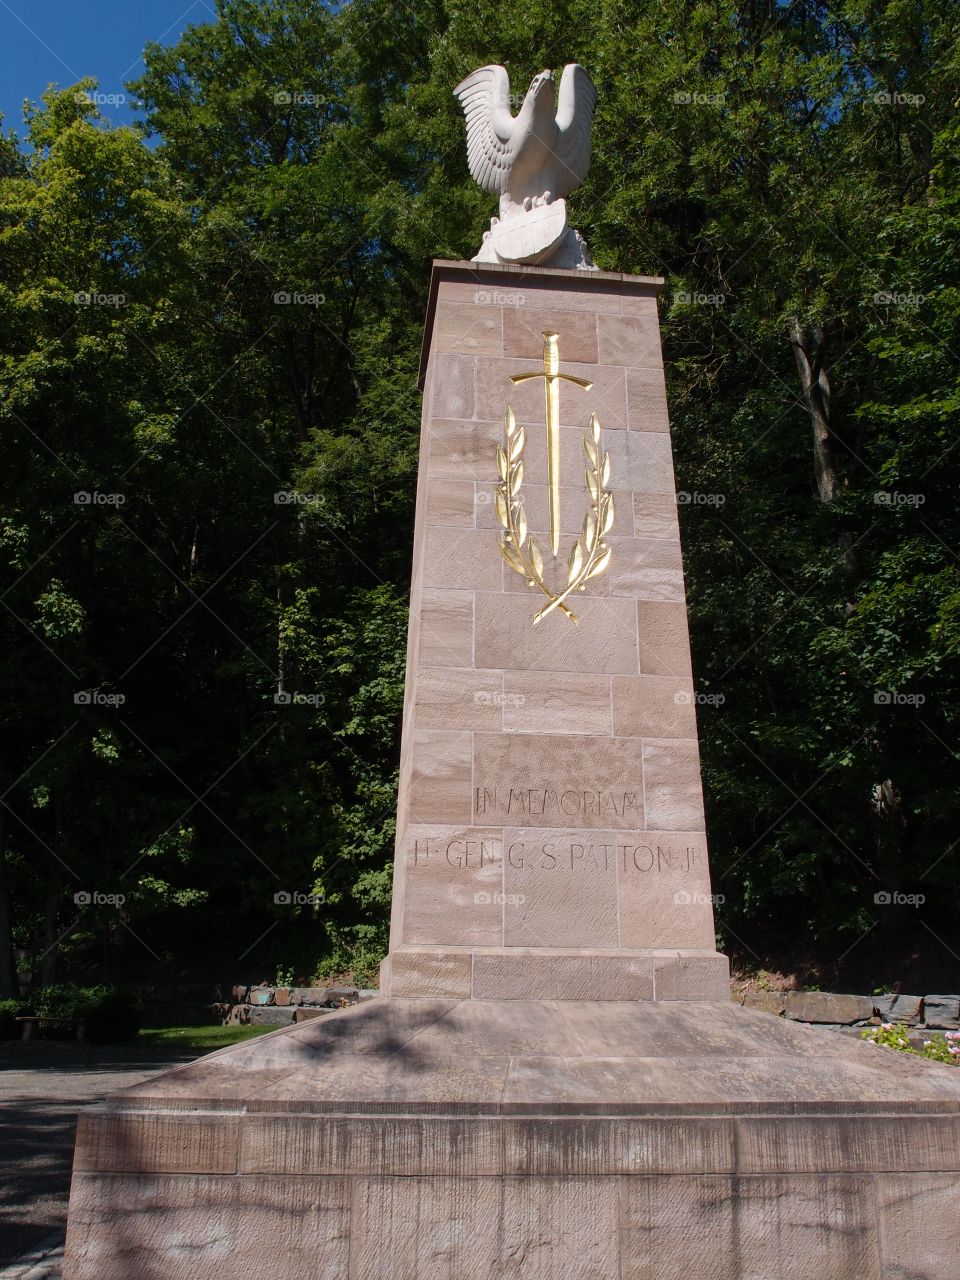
[(49, 938), (51, 905), (9, 989), (810, 352)]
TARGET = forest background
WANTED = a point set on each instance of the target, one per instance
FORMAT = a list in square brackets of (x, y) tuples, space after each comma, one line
[(209, 419)]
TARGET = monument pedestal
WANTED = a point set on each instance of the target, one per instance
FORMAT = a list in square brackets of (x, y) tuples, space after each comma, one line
[(558, 1086), (544, 973), (574, 1140)]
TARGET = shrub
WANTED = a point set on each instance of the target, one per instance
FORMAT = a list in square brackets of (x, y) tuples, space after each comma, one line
[(113, 1014), (945, 1048), (108, 1013), (893, 1037), (942, 1048), (10, 1010)]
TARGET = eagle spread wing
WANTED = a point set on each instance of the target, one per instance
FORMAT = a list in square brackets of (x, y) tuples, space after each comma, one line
[(575, 104), (485, 98)]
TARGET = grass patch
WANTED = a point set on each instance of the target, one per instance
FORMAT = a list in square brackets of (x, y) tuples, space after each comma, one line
[(196, 1040)]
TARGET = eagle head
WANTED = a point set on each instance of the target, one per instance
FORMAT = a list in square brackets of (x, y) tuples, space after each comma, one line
[(541, 90)]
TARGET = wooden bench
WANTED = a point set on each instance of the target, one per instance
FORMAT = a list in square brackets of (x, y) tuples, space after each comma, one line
[(32, 1024)]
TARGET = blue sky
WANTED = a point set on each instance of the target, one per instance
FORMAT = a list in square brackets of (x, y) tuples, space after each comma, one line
[(62, 40)]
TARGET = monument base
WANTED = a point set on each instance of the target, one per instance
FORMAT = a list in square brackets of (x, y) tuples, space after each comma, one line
[(543, 973), (428, 1139)]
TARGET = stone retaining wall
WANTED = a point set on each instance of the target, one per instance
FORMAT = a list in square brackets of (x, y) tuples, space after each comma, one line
[(281, 1006), (932, 1012)]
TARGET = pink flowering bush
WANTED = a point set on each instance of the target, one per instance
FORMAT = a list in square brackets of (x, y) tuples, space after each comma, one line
[(941, 1048)]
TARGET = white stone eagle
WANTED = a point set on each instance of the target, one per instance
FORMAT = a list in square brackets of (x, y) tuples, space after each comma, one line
[(531, 161)]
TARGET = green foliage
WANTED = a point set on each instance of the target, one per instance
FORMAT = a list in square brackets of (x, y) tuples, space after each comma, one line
[(108, 1014), (194, 1041), (892, 1036), (10, 1010), (941, 1048), (238, 576)]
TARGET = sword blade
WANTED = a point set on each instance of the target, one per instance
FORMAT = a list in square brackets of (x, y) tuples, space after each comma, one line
[(552, 395), (551, 388)]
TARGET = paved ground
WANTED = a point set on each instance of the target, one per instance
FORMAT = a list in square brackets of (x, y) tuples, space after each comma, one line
[(43, 1262), (42, 1087)]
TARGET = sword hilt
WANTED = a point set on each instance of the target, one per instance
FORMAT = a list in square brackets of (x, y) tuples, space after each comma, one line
[(551, 354)]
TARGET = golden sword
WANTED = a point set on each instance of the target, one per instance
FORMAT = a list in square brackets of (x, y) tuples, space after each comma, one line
[(551, 381)]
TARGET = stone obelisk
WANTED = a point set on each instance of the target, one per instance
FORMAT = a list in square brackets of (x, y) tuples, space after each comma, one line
[(557, 1084), (550, 837)]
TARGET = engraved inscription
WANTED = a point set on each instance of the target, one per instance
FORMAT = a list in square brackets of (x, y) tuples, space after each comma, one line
[(516, 802), (558, 780), (466, 854), (461, 852), (574, 854)]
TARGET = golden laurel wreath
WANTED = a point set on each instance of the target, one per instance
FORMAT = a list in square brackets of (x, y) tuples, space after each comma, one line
[(589, 555)]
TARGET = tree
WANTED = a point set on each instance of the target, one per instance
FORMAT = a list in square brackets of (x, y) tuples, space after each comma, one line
[(253, 400)]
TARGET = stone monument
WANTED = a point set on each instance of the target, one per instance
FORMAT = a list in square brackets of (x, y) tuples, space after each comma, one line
[(555, 1083), (550, 822)]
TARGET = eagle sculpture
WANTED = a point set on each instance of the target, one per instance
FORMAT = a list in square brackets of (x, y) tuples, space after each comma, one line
[(531, 161)]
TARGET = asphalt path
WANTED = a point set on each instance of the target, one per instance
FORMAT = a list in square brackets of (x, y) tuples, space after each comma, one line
[(43, 1086)]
